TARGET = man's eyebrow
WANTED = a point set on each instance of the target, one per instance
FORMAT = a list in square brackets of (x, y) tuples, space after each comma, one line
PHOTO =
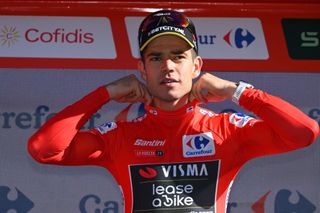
[(177, 52), (154, 54), (158, 54)]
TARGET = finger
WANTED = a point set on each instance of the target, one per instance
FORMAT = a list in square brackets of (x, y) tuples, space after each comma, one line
[(129, 99), (194, 92), (147, 96), (138, 92), (141, 92), (197, 92)]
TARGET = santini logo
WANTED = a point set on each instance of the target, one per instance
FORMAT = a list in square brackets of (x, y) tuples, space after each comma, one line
[(198, 145), (152, 143)]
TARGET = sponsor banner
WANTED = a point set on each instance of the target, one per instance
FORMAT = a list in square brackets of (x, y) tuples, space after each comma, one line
[(132, 24), (231, 38), (56, 37), (176, 187), (218, 38), (103, 35), (302, 38)]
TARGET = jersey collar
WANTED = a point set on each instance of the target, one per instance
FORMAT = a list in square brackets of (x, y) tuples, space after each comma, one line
[(183, 111)]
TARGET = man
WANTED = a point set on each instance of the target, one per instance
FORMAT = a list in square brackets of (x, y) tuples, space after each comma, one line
[(177, 157)]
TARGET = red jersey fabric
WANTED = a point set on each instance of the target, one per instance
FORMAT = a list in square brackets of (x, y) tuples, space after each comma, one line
[(177, 161)]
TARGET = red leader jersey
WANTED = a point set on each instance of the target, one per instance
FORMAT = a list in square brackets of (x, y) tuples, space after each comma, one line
[(174, 161)]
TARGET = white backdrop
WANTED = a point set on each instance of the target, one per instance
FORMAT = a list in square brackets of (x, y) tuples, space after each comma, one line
[(290, 182)]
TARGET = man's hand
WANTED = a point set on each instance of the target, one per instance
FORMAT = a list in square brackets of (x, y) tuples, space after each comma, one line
[(128, 90), (209, 88)]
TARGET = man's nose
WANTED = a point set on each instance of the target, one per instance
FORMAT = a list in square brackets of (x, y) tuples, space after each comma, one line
[(167, 65)]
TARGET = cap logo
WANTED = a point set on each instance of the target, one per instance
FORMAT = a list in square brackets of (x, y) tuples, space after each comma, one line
[(162, 20), (166, 28)]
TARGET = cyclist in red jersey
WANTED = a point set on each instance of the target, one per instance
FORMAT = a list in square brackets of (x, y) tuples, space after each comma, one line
[(177, 157)]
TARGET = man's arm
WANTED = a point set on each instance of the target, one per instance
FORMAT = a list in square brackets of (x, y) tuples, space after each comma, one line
[(59, 140), (282, 126), (280, 120)]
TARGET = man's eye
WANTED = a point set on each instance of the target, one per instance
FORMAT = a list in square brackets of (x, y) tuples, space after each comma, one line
[(178, 57), (155, 58)]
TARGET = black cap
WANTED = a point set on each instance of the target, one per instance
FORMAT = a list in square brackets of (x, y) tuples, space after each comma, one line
[(167, 22)]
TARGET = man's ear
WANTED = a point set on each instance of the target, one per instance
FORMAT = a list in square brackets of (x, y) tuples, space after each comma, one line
[(142, 69), (197, 67)]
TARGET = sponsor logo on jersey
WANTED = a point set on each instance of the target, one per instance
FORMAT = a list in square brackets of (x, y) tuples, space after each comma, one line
[(239, 119), (150, 143), (148, 172), (198, 145), (180, 170), (148, 153), (206, 112), (106, 127), (175, 187), (153, 112), (189, 109)]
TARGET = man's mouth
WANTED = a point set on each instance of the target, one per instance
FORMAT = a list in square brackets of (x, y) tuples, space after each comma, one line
[(168, 81)]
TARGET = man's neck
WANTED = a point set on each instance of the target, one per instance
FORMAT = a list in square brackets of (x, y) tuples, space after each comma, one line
[(170, 105)]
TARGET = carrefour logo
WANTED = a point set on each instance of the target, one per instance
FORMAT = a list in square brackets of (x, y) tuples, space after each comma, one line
[(198, 145), (21, 204), (239, 38), (282, 201), (9, 35)]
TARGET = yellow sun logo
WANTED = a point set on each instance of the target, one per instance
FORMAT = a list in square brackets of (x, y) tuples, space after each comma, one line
[(8, 36)]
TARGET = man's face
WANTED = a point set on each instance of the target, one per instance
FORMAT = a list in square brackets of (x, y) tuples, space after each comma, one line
[(169, 67)]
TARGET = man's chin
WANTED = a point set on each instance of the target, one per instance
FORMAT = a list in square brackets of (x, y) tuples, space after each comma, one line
[(172, 98)]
